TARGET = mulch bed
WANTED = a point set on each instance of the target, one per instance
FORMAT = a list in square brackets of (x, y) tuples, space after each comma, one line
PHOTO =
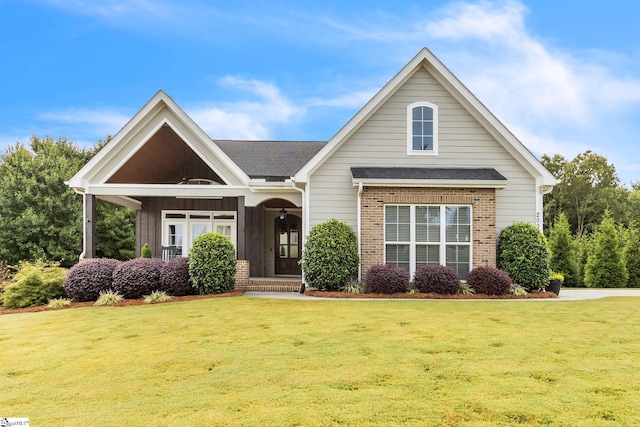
[(123, 303), (531, 295)]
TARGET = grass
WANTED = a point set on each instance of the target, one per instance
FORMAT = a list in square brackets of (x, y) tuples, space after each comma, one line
[(260, 362)]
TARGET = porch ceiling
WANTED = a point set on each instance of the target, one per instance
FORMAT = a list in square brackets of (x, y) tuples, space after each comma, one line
[(164, 159)]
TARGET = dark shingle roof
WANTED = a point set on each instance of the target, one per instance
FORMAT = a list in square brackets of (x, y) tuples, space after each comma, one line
[(457, 174), (270, 160)]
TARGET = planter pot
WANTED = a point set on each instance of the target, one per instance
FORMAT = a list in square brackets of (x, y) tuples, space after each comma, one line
[(554, 286)]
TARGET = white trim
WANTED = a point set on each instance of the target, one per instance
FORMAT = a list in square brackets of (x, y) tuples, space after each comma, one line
[(430, 183), (359, 229), (410, 150)]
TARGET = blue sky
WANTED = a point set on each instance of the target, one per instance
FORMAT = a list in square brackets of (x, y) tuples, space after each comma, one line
[(564, 76)]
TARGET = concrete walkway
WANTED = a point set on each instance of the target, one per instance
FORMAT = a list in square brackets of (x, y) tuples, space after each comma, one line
[(566, 294)]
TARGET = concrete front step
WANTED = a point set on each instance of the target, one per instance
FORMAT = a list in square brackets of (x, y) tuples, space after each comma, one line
[(273, 284)]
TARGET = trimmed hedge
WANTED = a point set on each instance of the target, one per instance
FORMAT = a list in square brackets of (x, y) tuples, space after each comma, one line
[(137, 277), (330, 258), (34, 284), (386, 279), (523, 254), (85, 280), (437, 279), (212, 264), (489, 281), (174, 277)]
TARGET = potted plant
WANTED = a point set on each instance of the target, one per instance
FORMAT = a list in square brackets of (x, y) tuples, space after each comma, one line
[(555, 282)]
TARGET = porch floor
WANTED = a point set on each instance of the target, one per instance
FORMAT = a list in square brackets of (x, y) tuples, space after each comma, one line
[(274, 284)]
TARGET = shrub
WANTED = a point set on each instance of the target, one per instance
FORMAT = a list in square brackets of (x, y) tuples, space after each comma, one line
[(145, 252), (386, 279), (563, 251), (353, 287), (85, 280), (437, 279), (156, 296), (212, 264), (137, 277), (59, 303), (465, 289), (174, 277), (108, 297), (34, 284), (489, 281), (518, 290), (524, 256), (605, 266), (330, 258)]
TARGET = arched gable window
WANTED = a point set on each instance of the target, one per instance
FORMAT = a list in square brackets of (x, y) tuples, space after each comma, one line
[(422, 128)]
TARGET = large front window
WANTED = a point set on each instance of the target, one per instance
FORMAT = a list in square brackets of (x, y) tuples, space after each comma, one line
[(181, 228), (418, 235)]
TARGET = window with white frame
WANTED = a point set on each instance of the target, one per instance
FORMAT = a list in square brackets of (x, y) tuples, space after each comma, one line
[(181, 228), (422, 128), (418, 235)]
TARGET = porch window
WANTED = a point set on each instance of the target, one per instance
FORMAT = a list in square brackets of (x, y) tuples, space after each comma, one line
[(418, 235), (181, 228)]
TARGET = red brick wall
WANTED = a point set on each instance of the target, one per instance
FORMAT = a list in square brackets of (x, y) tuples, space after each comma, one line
[(242, 274), (483, 201)]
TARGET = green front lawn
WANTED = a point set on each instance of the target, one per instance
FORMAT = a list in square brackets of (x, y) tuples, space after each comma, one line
[(259, 362)]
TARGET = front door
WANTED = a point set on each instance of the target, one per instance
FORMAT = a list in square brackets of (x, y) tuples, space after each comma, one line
[(288, 245)]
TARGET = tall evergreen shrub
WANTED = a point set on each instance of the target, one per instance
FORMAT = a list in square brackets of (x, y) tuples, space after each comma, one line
[(605, 266), (330, 258), (563, 251), (632, 256), (212, 264), (524, 256)]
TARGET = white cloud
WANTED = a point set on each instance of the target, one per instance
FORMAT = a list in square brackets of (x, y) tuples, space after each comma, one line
[(349, 100), (247, 119), (107, 120)]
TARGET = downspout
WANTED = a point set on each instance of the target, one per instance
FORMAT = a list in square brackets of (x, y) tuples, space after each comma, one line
[(305, 222), (359, 226)]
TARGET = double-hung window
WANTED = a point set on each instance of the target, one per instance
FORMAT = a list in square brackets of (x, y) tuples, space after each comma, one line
[(422, 129), (418, 235)]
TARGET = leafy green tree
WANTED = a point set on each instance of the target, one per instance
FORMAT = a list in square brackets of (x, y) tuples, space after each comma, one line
[(584, 246), (605, 265), (40, 217), (632, 256), (563, 251), (115, 231), (588, 186)]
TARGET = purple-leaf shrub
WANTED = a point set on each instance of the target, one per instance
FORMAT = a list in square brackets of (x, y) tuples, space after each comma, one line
[(137, 277), (386, 279), (437, 279), (489, 281), (85, 280), (174, 277)]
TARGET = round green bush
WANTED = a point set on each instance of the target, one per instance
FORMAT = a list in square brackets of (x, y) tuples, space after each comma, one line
[(386, 279), (85, 280), (212, 264), (524, 256), (437, 279), (174, 277), (489, 281), (137, 277), (330, 258), (35, 284)]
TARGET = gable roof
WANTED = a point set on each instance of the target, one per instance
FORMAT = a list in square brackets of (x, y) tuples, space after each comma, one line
[(270, 160), (441, 73)]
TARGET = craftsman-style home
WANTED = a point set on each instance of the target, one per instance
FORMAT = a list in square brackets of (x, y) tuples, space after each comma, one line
[(424, 173)]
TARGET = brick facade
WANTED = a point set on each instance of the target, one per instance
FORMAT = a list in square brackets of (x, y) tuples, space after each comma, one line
[(482, 200), (242, 274)]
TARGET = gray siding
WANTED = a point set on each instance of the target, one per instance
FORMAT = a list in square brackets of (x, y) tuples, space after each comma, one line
[(382, 141)]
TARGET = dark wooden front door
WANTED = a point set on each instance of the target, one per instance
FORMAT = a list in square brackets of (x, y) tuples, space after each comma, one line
[(288, 245)]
